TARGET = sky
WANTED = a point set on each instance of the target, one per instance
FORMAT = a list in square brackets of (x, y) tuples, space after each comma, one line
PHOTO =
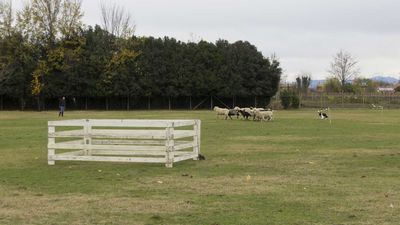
[(303, 34)]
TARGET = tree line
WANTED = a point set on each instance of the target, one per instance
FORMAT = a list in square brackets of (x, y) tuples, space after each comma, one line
[(46, 52)]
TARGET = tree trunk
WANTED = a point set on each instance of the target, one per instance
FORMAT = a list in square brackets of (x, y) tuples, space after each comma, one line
[(44, 103), (211, 104), (148, 103), (233, 102), (1, 102), (255, 101), (107, 103), (22, 103), (127, 103), (190, 102), (342, 99), (85, 103), (169, 103), (320, 100), (38, 102), (300, 99)]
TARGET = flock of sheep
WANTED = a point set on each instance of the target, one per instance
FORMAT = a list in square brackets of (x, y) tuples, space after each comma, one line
[(259, 114)]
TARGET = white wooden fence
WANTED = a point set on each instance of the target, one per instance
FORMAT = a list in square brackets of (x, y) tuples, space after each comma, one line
[(111, 140)]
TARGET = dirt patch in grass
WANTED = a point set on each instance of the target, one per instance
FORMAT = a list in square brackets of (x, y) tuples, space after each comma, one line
[(245, 184), (374, 208), (37, 208)]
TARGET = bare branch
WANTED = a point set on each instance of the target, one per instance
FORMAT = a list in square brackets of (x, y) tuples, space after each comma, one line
[(6, 18), (116, 20), (45, 20), (343, 67), (45, 14), (70, 21)]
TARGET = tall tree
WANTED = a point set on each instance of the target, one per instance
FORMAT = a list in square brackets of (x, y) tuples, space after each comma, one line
[(303, 81), (47, 59), (96, 52), (17, 60), (229, 69), (44, 22), (343, 67), (119, 77)]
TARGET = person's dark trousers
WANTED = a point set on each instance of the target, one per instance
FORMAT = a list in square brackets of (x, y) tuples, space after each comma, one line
[(61, 113)]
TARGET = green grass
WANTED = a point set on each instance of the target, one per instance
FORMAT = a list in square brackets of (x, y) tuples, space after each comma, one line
[(296, 169)]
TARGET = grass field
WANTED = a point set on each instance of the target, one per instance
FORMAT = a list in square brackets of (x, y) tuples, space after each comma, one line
[(294, 170)]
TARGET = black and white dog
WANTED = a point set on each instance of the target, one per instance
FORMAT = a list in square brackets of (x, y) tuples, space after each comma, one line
[(322, 115)]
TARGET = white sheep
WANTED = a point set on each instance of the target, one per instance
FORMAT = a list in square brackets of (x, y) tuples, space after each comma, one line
[(263, 115), (221, 111)]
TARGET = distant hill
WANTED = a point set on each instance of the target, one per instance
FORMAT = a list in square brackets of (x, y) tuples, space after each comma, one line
[(385, 79)]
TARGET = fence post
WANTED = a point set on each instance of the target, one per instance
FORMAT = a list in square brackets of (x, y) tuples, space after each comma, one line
[(51, 141), (300, 99), (87, 140), (342, 99), (196, 139), (320, 100), (169, 145), (363, 99)]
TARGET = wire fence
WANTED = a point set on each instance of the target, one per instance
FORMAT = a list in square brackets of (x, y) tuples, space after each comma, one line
[(135, 103), (309, 100), (346, 100)]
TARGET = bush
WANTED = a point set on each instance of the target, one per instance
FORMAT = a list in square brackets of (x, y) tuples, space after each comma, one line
[(289, 98), (295, 100), (286, 97)]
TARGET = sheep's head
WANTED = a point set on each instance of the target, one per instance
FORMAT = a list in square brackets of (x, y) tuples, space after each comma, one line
[(215, 108)]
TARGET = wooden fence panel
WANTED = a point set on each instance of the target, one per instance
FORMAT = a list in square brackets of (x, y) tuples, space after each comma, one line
[(147, 141)]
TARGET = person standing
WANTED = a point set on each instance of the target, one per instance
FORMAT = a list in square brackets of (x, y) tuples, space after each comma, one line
[(61, 105)]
